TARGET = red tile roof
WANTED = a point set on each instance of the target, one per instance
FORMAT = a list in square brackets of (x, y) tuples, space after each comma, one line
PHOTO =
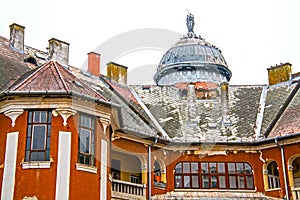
[(54, 77)]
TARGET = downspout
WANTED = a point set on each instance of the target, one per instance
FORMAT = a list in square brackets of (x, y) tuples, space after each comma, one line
[(149, 167), (284, 169)]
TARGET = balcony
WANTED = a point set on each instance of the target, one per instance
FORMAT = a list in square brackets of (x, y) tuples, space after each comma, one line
[(127, 190), (296, 193)]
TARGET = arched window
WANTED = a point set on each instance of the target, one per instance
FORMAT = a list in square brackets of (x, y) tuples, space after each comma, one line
[(213, 175), (273, 175)]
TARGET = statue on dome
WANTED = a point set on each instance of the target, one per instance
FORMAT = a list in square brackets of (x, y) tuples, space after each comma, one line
[(190, 23)]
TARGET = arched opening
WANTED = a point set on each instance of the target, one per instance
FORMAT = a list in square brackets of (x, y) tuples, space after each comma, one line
[(31, 60), (294, 175), (159, 174), (271, 173)]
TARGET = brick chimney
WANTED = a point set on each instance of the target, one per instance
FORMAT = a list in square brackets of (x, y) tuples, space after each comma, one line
[(16, 40), (117, 72), (279, 73), (94, 63), (59, 51)]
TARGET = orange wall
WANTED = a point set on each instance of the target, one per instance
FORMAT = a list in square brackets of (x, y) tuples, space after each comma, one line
[(41, 182)]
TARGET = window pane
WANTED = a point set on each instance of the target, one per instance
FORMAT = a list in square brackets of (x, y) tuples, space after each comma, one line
[(194, 167), (40, 116), (222, 182), (231, 168), (85, 121), (195, 181), (29, 131), (232, 181), (205, 182), (212, 168), (38, 137), (249, 180), (214, 181), (178, 168), (29, 116), (241, 182), (240, 168), (204, 168), (49, 117), (84, 141), (186, 181), (248, 169), (48, 143), (221, 168), (28, 144), (178, 181), (186, 167)]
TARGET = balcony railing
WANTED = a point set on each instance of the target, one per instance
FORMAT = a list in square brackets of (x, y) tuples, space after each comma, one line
[(296, 193), (121, 189)]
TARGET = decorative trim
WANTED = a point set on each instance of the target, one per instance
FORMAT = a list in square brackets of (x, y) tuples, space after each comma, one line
[(105, 123), (10, 162), (36, 165), (63, 166), (13, 114), (86, 168), (65, 113)]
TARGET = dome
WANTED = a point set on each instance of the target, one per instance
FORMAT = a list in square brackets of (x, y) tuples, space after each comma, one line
[(192, 60)]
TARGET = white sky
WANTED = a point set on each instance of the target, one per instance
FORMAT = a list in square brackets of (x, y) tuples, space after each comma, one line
[(252, 34)]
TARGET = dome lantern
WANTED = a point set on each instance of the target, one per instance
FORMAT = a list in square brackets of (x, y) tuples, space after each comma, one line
[(192, 60)]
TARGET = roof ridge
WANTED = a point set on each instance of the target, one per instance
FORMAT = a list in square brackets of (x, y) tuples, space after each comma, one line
[(60, 76)]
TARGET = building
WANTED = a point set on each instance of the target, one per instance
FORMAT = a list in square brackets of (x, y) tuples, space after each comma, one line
[(72, 134)]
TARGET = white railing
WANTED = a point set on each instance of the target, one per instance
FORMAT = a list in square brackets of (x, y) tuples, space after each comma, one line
[(123, 188), (296, 193)]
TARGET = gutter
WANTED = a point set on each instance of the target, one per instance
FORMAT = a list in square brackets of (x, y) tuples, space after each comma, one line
[(284, 169), (60, 92), (150, 166)]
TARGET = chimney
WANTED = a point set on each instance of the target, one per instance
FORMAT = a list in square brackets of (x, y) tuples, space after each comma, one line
[(279, 73), (16, 40), (94, 63), (59, 51), (117, 73)]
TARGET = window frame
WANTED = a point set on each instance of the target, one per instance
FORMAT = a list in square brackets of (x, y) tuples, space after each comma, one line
[(213, 175), (87, 158), (34, 153)]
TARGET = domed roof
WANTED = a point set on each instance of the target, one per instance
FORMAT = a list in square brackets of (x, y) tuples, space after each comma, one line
[(192, 59)]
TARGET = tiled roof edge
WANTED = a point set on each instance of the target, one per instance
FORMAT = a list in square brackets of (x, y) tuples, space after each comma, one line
[(282, 109), (150, 114)]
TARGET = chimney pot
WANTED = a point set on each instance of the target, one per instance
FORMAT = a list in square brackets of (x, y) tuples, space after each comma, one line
[(16, 40), (94, 63), (59, 51)]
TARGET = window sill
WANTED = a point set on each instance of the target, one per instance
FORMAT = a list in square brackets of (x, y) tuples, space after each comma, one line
[(86, 168), (273, 189), (36, 165)]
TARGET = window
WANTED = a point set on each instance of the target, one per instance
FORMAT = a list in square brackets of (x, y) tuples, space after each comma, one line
[(213, 175), (38, 135), (135, 178), (115, 169), (273, 175), (86, 140)]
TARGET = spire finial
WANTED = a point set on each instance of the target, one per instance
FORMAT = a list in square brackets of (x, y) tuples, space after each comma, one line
[(190, 23)]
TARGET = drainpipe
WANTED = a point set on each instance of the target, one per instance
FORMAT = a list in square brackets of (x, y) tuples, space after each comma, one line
[(149, 166), (284, 169)]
